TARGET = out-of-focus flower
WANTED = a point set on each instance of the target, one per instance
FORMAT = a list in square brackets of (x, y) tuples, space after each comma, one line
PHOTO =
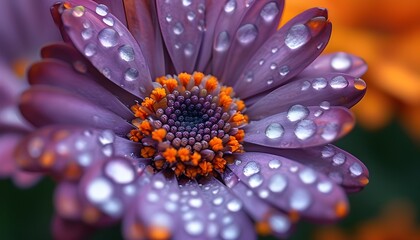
[(26, 25), (397, 221), (135, 126), (386, 33)]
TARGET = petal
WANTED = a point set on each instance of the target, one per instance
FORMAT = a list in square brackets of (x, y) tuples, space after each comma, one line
[(63, 229), (340, 62), (109, 46), (59, 74), (182, 27), (342, 167), (338, 90), (259, 23), (286, 53), (279, 223), (142, 24), (290, 186), (300, 127), (116, 7), (47, 105)]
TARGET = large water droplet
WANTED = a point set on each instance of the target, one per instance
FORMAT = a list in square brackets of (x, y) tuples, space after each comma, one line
[(108, 37), (324, 186), (339, 82), (279, 224), (90, 50), (356, 169), (178, 28), (359, 84), (126, 53), (106, 137), (277, 183), (297, 36), (131, 74), (194, 228), (307, 176), (99, 190), (319, 83), (269, 12), (108, 21), (300, 200), (251, 168), (297, 112), (186, 3), (101, 10), (274, 164), (230, 6), (341, 62), (119, 171), (223, 42), (274, 131), (305, 129), (247, 34)]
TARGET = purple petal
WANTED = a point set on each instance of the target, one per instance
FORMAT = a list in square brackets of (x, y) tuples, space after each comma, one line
[(109, 46), (300, 127), (286, 53), (67, 202), (259, 23), (342, 167), (63, 229), (182, 26), (59, 74), (340, 62), (290, 186), (337, 90), (47, 105), (261, 211), (116, 7)]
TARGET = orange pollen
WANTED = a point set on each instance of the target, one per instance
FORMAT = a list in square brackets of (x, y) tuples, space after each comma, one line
[(206, 168), (158, 94), (170, 155), (240, 104), (171, 84), (148, 103), (219, 164), (234, 144), (239, 118), (135, 135), (195, 158), (240, 135), (159, 134), (211, 84), (341, 209), (198, 76), (145, 127), (184, 78), (216, 144), (147, 152), (184, 154), (225, 100)]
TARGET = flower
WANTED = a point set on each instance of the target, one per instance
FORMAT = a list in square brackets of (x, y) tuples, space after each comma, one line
[(197, 121), (17, 52), (385, 33)]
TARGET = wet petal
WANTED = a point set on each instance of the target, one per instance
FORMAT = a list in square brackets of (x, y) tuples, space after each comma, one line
[(182, 27), (337, 90), (266, 216), (340, 62), (286, 53), (109, 46), (342, 167), (47, 105), (116, 7), (301, 127), (59, 74), (292, 187)]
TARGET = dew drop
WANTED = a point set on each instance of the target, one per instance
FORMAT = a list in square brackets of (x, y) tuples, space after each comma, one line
[(106, 72), (186, 3), (319, 83), (194, 228), (247, 34), (223, 42), (230, 233), (87, 34), (108, 37), (249, 76), (108, 21), (78, 11), (131, 74), (178, 28), (284, 70), (189, 50), (190, 16), (277, 183), (305, 85), (300, 200), (230, 6), (217, 201), (273, 66), (120, 172), (99, 190), (106, 137), (261, 62), (234, 205), (274, 50), (90, 50), (263, 194), (305, 129), (274, 131), (327, 152), (255, 180), (297, 112), (195, 202), (359, 84), (356, 169), (279, 224), (274, 164), (341, 62), (307, 176), (325, 186), (325, 105), (126, 53), (330, 131), (338, 82), (270, 81), (101, 10), (251, 168), (297, 36), (269, 12), (168, 18)]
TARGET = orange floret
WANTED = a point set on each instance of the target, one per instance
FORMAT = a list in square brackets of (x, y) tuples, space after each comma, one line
[(219, 164), (170, 155), (184, 78), (161, 80), (240, 104), (145, 127), (159, 134), (225, 100), (239, 118), (206, 167), (240, 135), (198, 76), (211, 84), (216, 144), (148, 103), (158, 94), (195, 158), (171, 84), (147, 152), (184, 154), (135, 135), (191, 172), (226, 90), (138, 111), (159, 163), (233, 144), (179, 169)]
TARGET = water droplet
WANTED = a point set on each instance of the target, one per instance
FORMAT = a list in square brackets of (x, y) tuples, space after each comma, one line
[(270, 81), (194, 228), (300, 200), (247, 34), (195, 202), (108, 21), (234, 205), (251, 168), (274, 164), (274, 50), (307, 176), (107, 150), (297, 36), (297, 112), (90, 50), (84, 159), (158, 184), (320, 46), (106, 137), (223, 42), (330, 131), (274, 131), (359, 84), (279, 224), (284, 70), (230, 233), (101, 10), (189, 50), (341, 62), (108, 37), (201, 8), (217, 201), (319, 83), (261, 62), (131, 74), (126, 53), (269, 12), (305, 129), (356, 169), (99, 190), (255, 180), (327, 152), (169, 18), (325, 105), (78, 11), (178, 28), (230, 6), (325, 186), (106, 72), (263, 193), (338, 82), (249, 76), (152, 197), (190, 16), (305, 85), (186, 3), (87, 34), (277, 183), (119, 171)]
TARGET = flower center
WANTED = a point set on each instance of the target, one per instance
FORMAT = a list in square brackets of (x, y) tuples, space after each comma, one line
[(190, 124)]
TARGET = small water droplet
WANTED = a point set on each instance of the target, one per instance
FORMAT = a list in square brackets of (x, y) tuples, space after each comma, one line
[(108, 21), (325, 105), (169, 18), (87, 33), (359, 84), (270, 81), (319, 83), (255, 180), (108, 37), (279, 223), (234, 205), (190, 16), (274, 50), (194, 227), (339, 82), (305, 85), (223, 42), (247, 34), (119, 171), (307, 176), (274, 164), (201, 8), (90, 50), (251, 168), (341, 62), (327, 152), (297, 36), (356, 169), (284, 70), (273, 66), (249, 76), (277, 183), (178, 28), (305, 129), (189, 50), (325, 186), (339, 159), (274, 131), (186, 3), (261, 62), (99, 190), (320, 46), (230, 6), (126, 53), (297, 112), (269, 12), (300, 200), (101, 10), (78, 11), (131, 74), (231, 232), (106, 72)]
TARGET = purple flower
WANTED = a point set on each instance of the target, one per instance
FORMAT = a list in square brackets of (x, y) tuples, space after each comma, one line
[(192, 119), (25, 26)]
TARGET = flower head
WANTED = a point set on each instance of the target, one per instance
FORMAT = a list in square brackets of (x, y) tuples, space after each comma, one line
[(197, 121)]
